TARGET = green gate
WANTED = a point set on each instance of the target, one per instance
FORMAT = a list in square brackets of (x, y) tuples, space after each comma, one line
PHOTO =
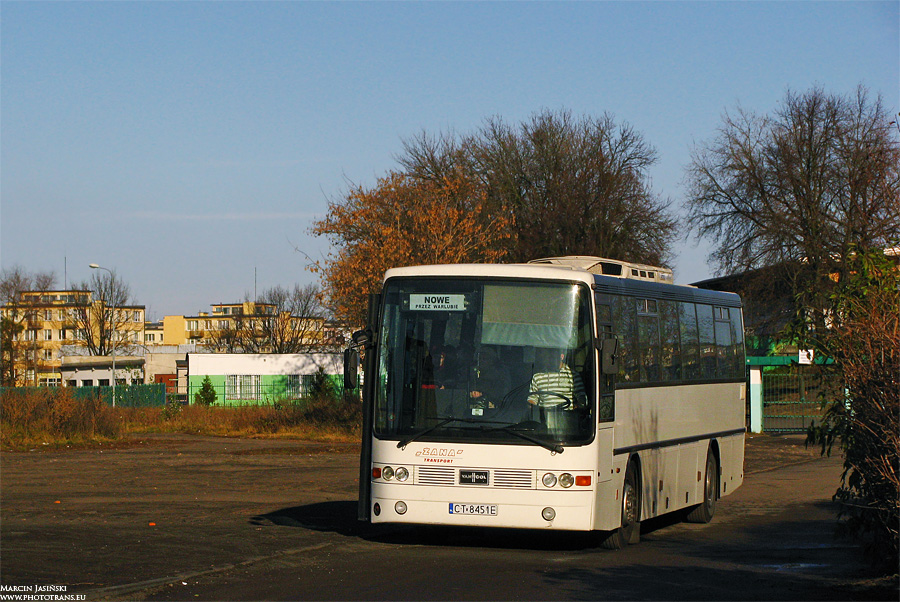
[(788, 397)]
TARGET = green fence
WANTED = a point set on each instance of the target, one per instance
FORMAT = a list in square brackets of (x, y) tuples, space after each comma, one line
[(127, 396)]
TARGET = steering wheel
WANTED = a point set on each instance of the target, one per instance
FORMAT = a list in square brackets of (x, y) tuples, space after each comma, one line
[(566, 403)]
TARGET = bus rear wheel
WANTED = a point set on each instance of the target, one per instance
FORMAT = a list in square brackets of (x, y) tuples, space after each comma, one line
[(630, 530), (704, 512)]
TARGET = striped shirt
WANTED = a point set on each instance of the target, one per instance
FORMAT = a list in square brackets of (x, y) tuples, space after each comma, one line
[(564, 382)]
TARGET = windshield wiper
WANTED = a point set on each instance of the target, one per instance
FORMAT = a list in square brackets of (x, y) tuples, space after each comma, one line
[(555, 448), (404, 442), (443, 420), (506, 428)]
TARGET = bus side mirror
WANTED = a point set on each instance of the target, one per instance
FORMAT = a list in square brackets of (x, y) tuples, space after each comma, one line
[(609, 358), (351, 369)]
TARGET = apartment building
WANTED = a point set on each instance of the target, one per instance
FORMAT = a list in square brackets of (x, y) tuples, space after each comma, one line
[(42, 322), (212, 329)]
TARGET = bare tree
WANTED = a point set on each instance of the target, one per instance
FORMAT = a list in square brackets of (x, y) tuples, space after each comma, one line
[(802, 188), (18, 339), (573, 186), (281, 320), (102, 312)]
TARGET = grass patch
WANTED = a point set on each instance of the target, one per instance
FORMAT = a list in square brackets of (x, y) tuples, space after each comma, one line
[(54, 417)]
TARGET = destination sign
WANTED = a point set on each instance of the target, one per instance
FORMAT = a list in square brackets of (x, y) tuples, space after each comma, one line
[(437, 302)]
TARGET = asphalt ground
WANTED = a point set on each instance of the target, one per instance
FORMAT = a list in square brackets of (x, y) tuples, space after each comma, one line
[(126, 521)]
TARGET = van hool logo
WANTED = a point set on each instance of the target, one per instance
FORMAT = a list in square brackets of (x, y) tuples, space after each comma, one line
[(440, 455)]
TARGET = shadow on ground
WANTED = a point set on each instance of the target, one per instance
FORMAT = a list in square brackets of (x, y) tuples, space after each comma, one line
[(340, 517)]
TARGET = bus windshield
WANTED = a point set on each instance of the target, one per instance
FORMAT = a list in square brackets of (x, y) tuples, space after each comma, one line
[(489, 361)]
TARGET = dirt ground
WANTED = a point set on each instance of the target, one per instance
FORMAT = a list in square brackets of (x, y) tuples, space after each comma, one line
[(161, 506)]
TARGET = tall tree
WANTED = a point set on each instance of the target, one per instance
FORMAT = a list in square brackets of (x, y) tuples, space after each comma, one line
[(800, 189), (19, 347), (573, 186), (100, 313), (405, 220)]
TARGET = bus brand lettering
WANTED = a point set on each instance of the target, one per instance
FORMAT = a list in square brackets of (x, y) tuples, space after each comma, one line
[(439, 452)]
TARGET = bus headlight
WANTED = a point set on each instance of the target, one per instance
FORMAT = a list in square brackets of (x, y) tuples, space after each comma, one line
[(387, 473), (401, 474), (549, 479), (566, 480)]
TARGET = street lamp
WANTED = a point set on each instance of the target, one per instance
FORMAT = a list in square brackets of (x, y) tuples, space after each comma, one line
[(112, 337)]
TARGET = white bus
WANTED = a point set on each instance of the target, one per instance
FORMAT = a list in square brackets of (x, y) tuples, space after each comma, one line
[(570, 393)]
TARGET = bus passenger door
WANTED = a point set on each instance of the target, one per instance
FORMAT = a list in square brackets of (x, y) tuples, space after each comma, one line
[(606, 347)]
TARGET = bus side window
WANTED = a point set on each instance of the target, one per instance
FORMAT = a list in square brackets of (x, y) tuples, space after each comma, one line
[(737, 335), (690, 341), (671, 350), (724, 343), (706, 324), (624, 318), (648, 340)]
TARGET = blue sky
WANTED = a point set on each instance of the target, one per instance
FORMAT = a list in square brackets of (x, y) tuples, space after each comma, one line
[(190, 145)]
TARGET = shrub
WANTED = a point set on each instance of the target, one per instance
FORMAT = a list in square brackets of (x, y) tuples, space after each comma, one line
[(53, 415), (865, 343), (206, 396)]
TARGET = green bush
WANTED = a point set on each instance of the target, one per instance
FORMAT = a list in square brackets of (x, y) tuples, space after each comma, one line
[(206, 396)]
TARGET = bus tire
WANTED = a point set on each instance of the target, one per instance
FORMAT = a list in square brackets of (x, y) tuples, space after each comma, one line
[(630, 529), (704, 512)]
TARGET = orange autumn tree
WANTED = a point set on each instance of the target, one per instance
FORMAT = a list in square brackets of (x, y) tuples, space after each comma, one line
[(405, 221)]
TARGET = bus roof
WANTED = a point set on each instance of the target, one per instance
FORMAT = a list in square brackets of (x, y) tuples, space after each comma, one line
[(553, 269)]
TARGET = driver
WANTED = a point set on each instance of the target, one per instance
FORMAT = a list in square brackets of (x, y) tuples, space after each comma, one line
[(556, 385)]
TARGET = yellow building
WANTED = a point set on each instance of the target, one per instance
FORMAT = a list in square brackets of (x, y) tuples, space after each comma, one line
[(48, 320), (213, 329)]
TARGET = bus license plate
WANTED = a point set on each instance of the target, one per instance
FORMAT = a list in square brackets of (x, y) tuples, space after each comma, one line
[(479, 509)]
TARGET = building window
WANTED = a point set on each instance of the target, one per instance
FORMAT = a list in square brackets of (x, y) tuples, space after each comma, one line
[(242, 386), (137, 316), (48, 335), (61, 315), (192, 324), (48, 355), (150, 338), (87, 382)]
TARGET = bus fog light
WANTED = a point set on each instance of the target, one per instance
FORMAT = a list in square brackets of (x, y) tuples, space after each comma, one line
[(548, 514), (387, 473), (549, 479), (376, 509), (400, 507), (401, 474)]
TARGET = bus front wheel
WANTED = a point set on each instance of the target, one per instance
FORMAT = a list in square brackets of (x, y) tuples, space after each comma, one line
[(630, 530)]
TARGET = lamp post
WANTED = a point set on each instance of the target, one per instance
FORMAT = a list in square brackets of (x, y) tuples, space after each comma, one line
[(112, 337)]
